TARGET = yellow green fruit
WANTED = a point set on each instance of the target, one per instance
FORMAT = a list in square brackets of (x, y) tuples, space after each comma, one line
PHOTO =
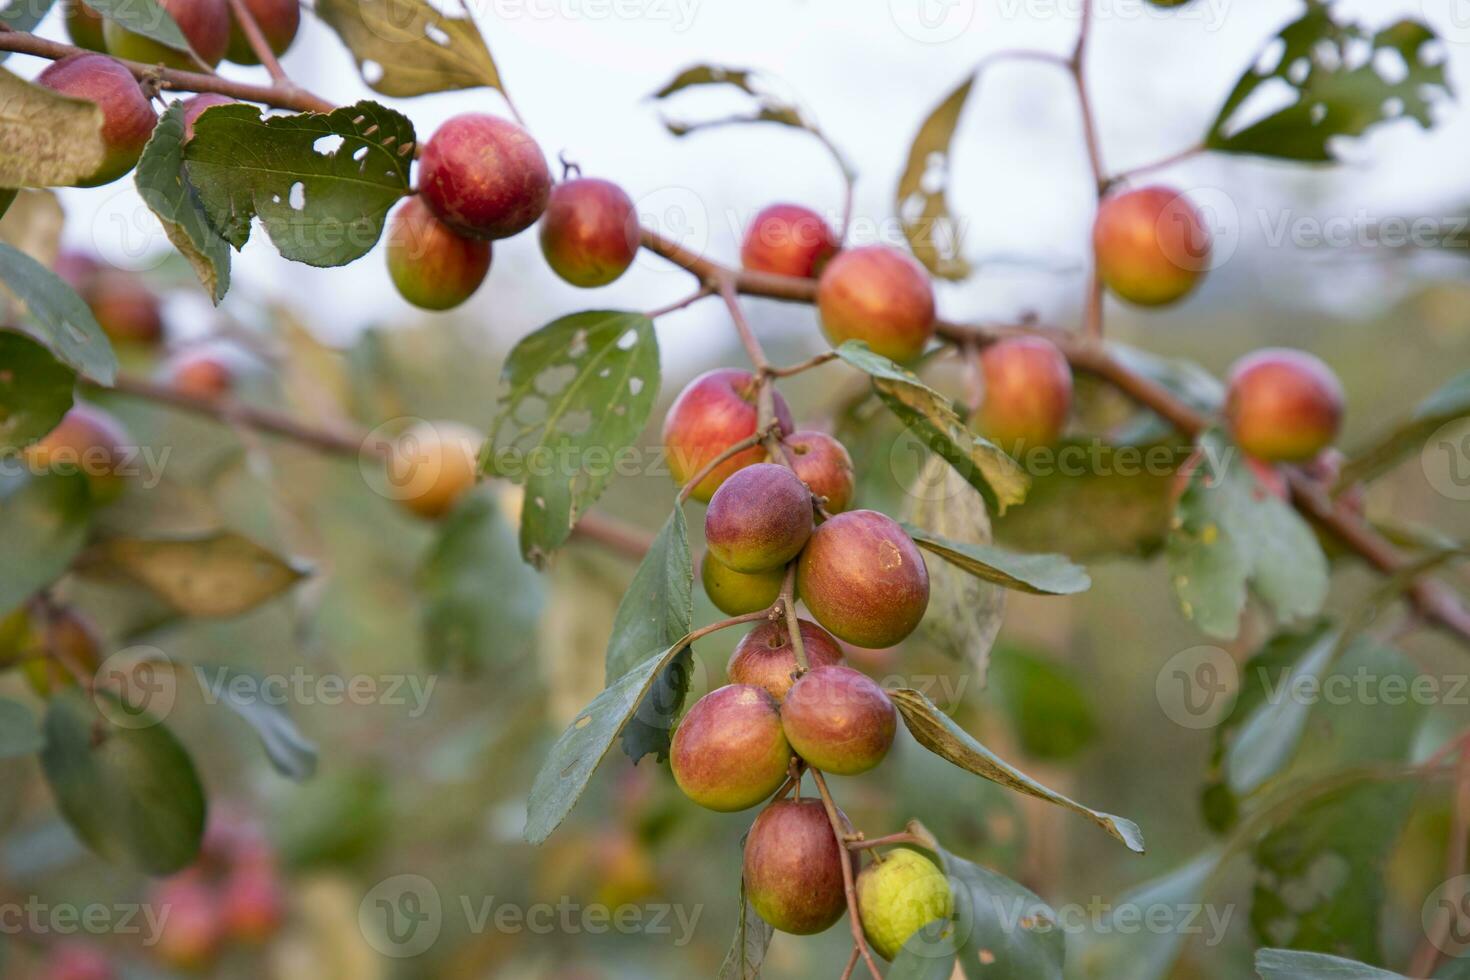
[(899, 897)]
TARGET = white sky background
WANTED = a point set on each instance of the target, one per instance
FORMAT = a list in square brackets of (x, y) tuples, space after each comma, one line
[(580, 72)]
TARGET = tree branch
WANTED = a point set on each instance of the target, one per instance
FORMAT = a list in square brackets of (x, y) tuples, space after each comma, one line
[(840, 832), (258, 43)]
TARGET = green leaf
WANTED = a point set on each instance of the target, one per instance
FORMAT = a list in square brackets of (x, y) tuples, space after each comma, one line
[(1120, 952), (1346, 79), (290, 753), (932, 418), (414, 48), (582, 747), (1186, 380), (1272, 720), (44, 520), (940, 735), (574, 396), (1289, 964), (131, 794), (1230, 532), (1052, 715), (1037, 574), (35, 391), (46, 139), (18, 733), (216, 574), (922, 198), (165, 188), (748, 950), (145, 17), (337, 819), (323, 207), (7, 194), (59, 320), (481, 603), (1449, 402), (929, 955)]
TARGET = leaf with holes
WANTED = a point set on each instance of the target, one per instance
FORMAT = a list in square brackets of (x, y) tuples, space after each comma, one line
[(1346, 79), (165, 188), (46, 139), (407, 47), (145, 17), (922, 199), (934, 421), (1449, 402), (574, 395), (321, 183), (1037, 574), (214, 575), (44, 522), (290, 753), (35, 391), (58, 319)]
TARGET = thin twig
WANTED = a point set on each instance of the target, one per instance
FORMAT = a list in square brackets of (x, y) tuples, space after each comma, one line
[(1427, 956), (258, 43), (802, 366), (840, 831), (1133, 173), (704, 290), (749, 442)]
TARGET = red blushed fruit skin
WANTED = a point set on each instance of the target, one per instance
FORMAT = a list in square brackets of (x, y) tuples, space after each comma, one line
[(759, 519), (279, 20), (736, 593), (194, 108), (84, 26), (88, 441), (205, 24), (879, 295), (839, 720), (484, 176), (1283, 405), (863, 579), (729, 752), (73, 960), (793, 867), (1151, 246), (200, 374), (788, 240), (764, 657), (251, 904), (716, 411), (433, 267), (1028, 393), (823, 464), (192, 930), (125, 308), (589, 233), (127, 118)]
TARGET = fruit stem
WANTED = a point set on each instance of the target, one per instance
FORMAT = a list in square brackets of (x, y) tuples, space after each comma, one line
[(258, 44), (694, 297), (800, 366), (787, 601), (904, 837), (840, 832), (749, 442)]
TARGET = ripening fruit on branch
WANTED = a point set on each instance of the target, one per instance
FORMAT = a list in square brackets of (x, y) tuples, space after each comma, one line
[(1151, 246), (433, 465), (716, 411), (194, 108), (200, 374), (84, 26), (879, 295), (88, 441), (1283, 405), (279, 20), (68, 638), (863, 579), (839, 720), (251, 904), (127, 118), (433, 266), (589, 233), (736, 593), (729, 752), (764, 657), (484, 176), (759, 519), (124, 307), (823, 464), (793, 867), (1028, 393), (190, 936), (899, 896), (205, 25), (788, 240)]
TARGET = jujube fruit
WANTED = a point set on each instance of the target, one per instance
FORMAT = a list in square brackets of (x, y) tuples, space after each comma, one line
[(765, 657), (1283, 405), (899, 896), (84, 26), (589, 233), (200, 374), (788, 240), (433, 266), (737, 593), (1028, 393), (714, 412), (205, 24), (278, 20), (839, 720), (88, 441), (879, 295), (729, 752), (863, 579), (823, 464), (123, 305), (195, 106), (127, 118), (759, 518), (484, 176), (1151, 246), (432, 465), (191, 933), (793, 868)]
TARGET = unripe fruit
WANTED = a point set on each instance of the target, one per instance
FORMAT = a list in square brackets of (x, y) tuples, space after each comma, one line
[(900, 896), (1151, 246), (89, 441), (765, 658), (71, 643), (716, 411), (205, 24), (200, 374), (194, 108), (788, 240), (729, 752), (484, 176), (1283, 405), (191, 933), (793, 868), (434, 267), (736, 593), (433, 465), (589, 233), (863, 579), (823, 464), (1028, 393), (759, 519), (127, 118), (839, 720), (84, 26), (279, 20), (879, 295)]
